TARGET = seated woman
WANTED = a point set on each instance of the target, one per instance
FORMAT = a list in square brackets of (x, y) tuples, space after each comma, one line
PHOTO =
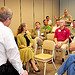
[(24, 42)]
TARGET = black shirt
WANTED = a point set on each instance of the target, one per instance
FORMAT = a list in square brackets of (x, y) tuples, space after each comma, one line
[(27, 40)]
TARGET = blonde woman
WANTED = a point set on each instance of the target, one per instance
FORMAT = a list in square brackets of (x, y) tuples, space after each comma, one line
[(24, 42)]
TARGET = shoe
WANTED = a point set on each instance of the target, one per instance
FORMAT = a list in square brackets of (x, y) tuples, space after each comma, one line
[(24, 67), (56, 73), (35, 62), (66, 52), (62, 60), (37, 70), (53, 60)]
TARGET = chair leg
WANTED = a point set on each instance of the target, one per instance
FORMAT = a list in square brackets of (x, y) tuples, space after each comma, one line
[(37, 63), (45, 68), (58, 53), (28, 68), (35, 49), (54, 65), (68, 51), (40, 49)]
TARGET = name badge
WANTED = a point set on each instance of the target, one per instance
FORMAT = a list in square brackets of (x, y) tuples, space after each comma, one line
[(59, 30), (67, 19), (42, 33)]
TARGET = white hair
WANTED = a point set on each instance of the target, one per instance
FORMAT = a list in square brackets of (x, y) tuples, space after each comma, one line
[(62, 21)]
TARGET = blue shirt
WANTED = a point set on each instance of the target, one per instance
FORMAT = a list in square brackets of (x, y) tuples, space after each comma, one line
[(38, 31)]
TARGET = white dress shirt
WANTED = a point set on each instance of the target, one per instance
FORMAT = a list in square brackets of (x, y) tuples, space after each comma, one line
[(54, 28), (49, 22), (9, 49)]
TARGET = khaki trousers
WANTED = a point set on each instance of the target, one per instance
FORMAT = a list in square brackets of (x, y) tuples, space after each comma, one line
[(38, 42), (63, 49)]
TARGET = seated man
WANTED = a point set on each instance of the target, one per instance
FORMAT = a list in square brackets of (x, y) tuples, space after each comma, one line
[(57, 25), (46, 26), (72, 30), (69, 63), (38, 34), (49, 21), (62, 35)]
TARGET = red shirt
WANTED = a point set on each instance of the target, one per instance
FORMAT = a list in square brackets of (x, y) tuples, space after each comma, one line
[(62, 35)]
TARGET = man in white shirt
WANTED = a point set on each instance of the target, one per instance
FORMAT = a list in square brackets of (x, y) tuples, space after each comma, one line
[(8, 48), (57, 25), (49, 21)]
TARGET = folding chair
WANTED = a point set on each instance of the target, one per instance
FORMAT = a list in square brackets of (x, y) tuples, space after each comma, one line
[(47, 45)]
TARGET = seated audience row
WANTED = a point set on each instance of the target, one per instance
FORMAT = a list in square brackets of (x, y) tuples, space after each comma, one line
[(62, 35), (24, 41)]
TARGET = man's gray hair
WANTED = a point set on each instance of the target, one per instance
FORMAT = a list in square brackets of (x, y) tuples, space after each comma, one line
[(5, 13)]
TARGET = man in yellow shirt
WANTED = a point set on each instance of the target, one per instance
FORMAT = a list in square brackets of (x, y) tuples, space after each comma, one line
[(66, 17), (38, 34)]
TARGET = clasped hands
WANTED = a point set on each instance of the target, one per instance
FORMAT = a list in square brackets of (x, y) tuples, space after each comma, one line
[(28, 47), (58, 45)]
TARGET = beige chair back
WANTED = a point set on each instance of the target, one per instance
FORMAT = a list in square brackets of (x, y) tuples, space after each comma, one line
[(48, 45), (50, 36), (33, 43), (30, 29)]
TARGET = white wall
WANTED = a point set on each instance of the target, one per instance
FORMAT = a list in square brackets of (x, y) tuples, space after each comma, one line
[(67, 4)]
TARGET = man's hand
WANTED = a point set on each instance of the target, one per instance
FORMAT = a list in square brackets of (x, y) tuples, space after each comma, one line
[(58, 46), (47, 31), (72, 46), (25, 72), (42, 38)]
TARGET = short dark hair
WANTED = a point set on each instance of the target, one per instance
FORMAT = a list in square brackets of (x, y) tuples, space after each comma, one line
[(37, 22), (73, 20), (44, 20), (47, 16)]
